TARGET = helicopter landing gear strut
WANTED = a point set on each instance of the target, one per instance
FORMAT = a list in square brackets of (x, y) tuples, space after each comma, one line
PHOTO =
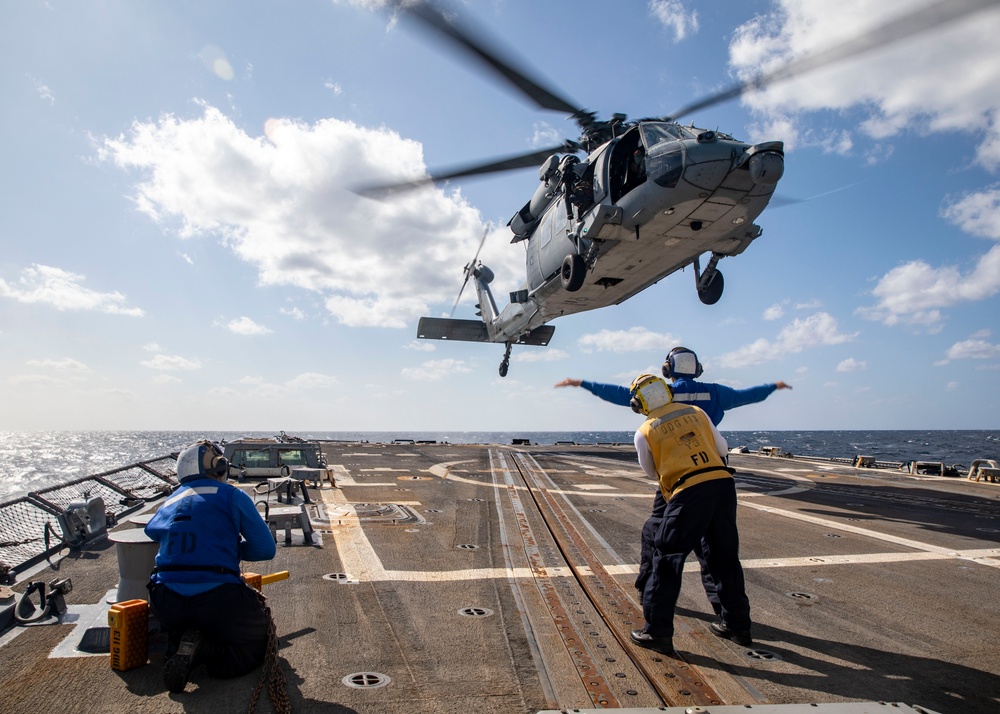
[(708, 282), (505, 363)]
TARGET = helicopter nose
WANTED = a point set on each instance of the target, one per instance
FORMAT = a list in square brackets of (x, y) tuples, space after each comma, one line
[(767, 167)]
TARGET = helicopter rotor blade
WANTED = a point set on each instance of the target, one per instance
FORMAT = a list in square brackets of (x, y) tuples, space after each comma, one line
[(433, 17), (509, 163), (469, 268), (927, 18)]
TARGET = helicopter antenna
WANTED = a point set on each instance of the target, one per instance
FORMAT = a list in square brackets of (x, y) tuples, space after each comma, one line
[(927, 18)]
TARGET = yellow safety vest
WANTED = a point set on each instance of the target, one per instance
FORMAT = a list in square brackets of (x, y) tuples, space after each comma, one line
[(683, 446)]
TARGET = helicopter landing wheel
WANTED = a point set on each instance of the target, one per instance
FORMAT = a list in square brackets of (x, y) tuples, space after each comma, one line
[(711, 293), (574, 272), (505, 363)]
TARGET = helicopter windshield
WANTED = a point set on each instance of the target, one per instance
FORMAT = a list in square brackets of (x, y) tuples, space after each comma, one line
[(654, 133)]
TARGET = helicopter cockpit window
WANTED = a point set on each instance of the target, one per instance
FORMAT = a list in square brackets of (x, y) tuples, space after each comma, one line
[(654, 133)]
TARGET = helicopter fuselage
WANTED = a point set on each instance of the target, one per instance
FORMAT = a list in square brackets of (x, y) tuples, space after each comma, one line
[(661, 195)]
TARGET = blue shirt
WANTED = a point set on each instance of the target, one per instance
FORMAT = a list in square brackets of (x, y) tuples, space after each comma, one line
[(714, 399), (255, 540)]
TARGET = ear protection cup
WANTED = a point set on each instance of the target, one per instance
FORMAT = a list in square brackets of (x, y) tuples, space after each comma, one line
[(217, 463), (636, 405), (679, 364), (220, 466)]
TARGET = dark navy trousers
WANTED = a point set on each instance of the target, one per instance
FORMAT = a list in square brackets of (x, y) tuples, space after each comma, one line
[(649, 529), (700, 516), (232, 621)]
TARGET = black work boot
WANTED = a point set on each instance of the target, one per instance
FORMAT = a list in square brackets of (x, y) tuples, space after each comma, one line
[(740, 637), (177, 668), (663, 645)]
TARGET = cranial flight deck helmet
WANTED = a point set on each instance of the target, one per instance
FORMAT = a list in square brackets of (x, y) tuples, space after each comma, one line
[(649, 393), (681, 362), (201, 460)]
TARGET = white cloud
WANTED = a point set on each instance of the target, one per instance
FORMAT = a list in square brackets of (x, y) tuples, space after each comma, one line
[(977, 213), (420, 346), (975, 348), (814, 331), (545, 135), (62, 290), (280, 202), (170, 363), (254, 388), (852, 365), (166, 379), (38, 379), (245, 326), (940, 81), (44, 93), (334, 87), (151, 347), (293, 312), (435, 370), (634, 339), (60, 365), (673, 16), (915, 292), (309, 381), (775, 312)]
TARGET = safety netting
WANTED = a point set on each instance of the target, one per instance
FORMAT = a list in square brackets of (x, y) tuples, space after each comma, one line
[(29, 529)]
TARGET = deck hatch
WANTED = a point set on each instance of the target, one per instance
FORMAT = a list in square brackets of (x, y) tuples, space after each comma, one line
[(474, 611), (387, 513), (366, 680)]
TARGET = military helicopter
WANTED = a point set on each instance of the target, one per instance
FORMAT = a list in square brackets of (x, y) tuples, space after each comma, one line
[(647, 198)]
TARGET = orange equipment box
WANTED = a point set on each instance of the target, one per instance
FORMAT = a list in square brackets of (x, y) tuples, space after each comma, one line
[(129, 623)]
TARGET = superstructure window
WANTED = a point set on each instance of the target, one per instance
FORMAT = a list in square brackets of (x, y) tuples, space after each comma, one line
[(291, 457), (255, 459)]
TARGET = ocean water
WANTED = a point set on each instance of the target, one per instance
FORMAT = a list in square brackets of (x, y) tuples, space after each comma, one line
[(34, 460)]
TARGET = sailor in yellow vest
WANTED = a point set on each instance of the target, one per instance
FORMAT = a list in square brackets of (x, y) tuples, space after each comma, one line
[(680, 447)]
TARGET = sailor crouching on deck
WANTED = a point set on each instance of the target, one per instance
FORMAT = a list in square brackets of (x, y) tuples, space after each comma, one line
[(195, 591), (680, 447)]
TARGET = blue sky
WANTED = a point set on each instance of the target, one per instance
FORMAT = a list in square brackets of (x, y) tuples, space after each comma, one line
[(180, 250)]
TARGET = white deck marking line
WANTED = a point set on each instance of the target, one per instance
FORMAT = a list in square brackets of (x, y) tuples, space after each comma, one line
[(362, 563), (986, 557), (341, 475), (357, 556)]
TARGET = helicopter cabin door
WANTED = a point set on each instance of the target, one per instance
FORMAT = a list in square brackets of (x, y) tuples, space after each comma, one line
[(549, 245), (627, 168)]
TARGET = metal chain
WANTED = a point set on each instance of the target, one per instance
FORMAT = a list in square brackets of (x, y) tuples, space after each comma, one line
[(272, 674)]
